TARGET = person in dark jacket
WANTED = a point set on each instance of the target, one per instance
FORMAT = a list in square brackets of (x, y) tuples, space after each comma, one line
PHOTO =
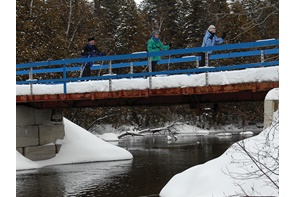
[(89, 50), (210, 39), (155, 45)]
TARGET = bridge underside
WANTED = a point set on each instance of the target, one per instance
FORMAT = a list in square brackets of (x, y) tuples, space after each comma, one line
[(152, 97)]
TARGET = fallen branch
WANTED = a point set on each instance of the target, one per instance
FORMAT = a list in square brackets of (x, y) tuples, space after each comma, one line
[(153, 131), (126, 133)]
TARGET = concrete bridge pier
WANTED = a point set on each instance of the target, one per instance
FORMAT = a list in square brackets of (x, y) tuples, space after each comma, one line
[(37, 132), (271, 105)]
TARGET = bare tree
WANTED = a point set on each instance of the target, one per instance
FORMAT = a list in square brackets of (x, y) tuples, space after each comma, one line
[(252, 19), (31, 7), (257, 161), (70, 18)]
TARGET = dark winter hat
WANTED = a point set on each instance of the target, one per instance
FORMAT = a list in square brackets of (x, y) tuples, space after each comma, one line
[(91, 38)]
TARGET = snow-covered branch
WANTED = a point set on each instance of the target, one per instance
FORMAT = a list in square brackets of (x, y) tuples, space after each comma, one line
[(168, 128)]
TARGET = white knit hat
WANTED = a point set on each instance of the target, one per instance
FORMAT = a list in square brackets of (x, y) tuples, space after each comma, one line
[(211, 27), (155, 32)]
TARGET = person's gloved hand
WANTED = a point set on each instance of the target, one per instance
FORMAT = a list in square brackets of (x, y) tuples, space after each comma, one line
[(223, 35), (99, 53), (170, 44)]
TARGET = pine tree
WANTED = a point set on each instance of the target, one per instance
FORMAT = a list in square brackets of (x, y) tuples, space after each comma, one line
[(107, 12), (160, 15), (51, 29), (182, 24), (196, 25), (127, 28)]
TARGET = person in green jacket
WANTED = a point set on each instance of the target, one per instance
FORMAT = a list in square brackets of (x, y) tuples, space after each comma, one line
[(155, 45)]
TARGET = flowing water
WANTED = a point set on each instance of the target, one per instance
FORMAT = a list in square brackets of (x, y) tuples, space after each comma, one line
[(155, 161)]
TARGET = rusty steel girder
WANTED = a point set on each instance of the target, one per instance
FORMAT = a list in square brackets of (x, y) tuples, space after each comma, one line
[(255, 91)]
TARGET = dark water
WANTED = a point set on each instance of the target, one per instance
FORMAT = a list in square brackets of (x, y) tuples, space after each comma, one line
[(155, 162)]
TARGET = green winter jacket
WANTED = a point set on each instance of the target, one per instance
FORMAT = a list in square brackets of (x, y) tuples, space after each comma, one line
[(156, 46)]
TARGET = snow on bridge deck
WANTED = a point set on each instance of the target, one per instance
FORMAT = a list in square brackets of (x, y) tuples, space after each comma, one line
[(239, 85)]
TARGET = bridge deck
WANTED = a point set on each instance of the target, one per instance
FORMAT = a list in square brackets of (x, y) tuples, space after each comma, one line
[(255, 72), (255, 91)]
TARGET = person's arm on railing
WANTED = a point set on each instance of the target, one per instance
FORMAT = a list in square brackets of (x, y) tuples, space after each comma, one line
[(164, 47), (221, 39), (97, 52)]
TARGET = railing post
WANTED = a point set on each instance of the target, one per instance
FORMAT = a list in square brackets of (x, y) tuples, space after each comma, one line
[(110, 85), (31, 78), (131, 68), (206, 59), (197, 62), (64, 68), (150, 70), (262, 56), (110, 72), (110, 67), (169, 62), (31, 73)]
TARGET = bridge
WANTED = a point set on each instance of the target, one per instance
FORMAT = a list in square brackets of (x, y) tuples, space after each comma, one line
[(38, 87), (44, 89)]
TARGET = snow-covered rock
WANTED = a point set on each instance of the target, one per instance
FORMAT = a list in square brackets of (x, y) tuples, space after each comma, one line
[(246, 133), (109, 137)]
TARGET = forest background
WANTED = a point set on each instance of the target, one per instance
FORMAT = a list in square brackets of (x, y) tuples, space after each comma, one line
[(57, 29)]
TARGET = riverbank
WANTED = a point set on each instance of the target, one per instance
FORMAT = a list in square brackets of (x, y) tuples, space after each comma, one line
[(248, 168), (180, 129)]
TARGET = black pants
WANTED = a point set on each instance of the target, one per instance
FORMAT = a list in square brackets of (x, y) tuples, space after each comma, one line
[(203, 57), (86, 71), (154, 64)]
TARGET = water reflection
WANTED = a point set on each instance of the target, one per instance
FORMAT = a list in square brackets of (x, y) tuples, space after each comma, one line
[(69, 180), (155, 161)]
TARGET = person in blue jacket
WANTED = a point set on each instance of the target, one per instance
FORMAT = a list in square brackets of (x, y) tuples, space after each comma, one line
[(210, 39), (89, 50)]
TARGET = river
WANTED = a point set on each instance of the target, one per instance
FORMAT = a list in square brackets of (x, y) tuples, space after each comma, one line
[(155, 161)]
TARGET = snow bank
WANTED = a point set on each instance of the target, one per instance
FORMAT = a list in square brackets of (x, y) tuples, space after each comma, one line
[(22, 163), (78, 146), (213, 178)]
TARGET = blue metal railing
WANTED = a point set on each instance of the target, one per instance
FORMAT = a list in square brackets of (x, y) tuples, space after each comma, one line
[(258, 48)]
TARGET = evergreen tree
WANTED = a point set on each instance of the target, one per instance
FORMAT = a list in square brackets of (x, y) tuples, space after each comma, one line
[(160, 15), (182, 24), (51, 29), (196, 25), (108, 15), (127, 28)]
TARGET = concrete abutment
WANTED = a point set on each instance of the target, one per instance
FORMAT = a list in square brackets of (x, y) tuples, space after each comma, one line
[(37, 132), (270, 106)]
